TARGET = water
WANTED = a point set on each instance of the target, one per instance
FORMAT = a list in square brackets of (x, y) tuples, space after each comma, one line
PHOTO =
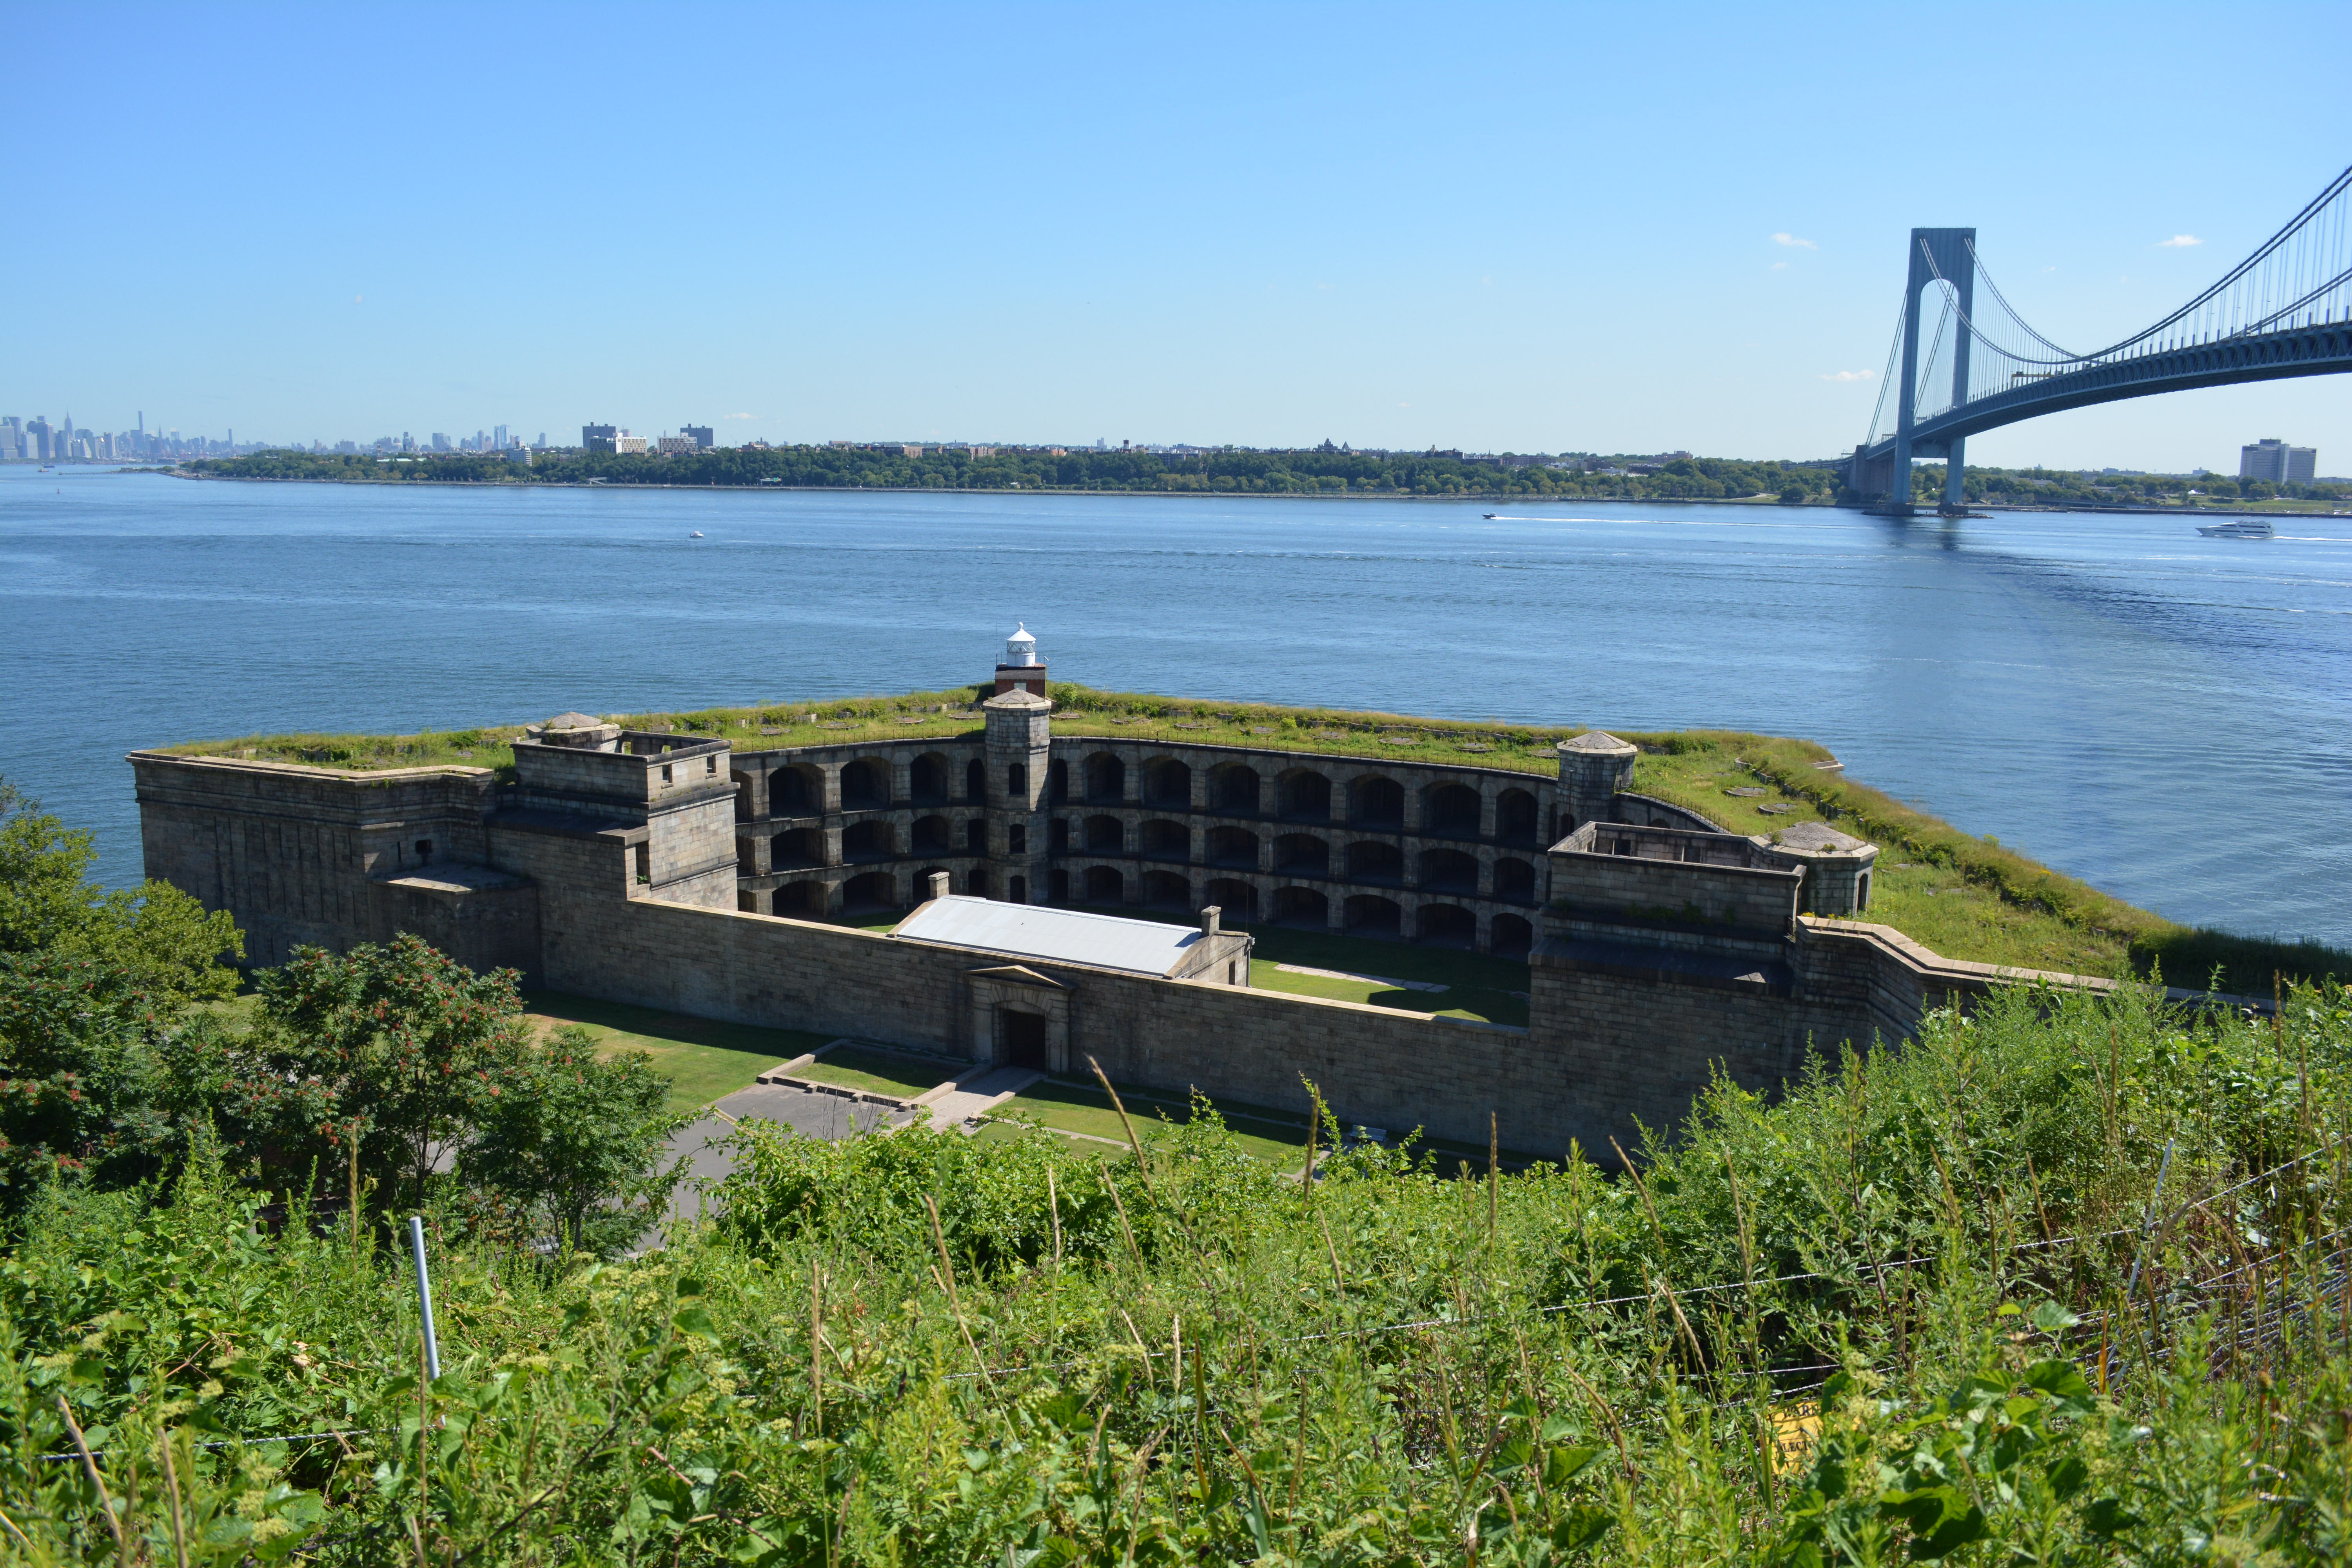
[(2165, 716)]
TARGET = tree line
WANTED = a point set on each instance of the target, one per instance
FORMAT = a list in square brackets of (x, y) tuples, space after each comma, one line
[(1313, 471)]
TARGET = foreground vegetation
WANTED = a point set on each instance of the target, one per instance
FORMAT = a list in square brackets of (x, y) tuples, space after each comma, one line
[(1961, 896)]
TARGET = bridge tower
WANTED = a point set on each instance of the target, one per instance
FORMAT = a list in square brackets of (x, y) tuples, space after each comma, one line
[(1952, 252)]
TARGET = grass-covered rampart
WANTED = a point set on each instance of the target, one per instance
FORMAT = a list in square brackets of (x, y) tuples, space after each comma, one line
[(1963, 896)]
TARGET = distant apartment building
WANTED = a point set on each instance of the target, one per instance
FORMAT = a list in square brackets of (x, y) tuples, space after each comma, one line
[(979, 451), (2272, 459), (703, 437), (676, 445), (910, 451), (624, 444), (598, 437)]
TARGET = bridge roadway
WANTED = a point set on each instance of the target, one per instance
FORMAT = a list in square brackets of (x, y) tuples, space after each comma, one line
[(2260, 357)]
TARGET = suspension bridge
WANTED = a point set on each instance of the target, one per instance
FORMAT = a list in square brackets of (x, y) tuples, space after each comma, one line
[(2285, 311)]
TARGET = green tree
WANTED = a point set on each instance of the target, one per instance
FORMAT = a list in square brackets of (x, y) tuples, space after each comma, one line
[(571, 1148)]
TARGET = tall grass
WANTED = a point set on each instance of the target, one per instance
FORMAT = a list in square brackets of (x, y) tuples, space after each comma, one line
[(2062, 1282)]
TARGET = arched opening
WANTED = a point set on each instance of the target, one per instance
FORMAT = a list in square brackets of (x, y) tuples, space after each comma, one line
[(1376, 802), (1058, 782), (792, 792), (975, 881), (796, 848), (1235, 789), (1016, 783), (1057, 887), (1512, 937), (870, 840), (1302, 855), (1167, 783), (1303, 795), (1445, 925), (1167, 891), (975, 781), (874, 890), (1105, 885), (801, 900), (1057, 835), (932, 833), (1515, 816), (1449, 871), (1375, 861), (1231, 846), (926, 780), (1236, 899), (1515, 880), (1301, 906), (1106, 779), (865, 784), (1016, 889), (975, 836), (1105, 836), (1450, 811), (1165, 840), (1862, 892), (1368, 914)]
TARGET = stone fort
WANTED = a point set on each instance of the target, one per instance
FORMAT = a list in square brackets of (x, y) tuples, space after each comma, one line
[(674, 871)]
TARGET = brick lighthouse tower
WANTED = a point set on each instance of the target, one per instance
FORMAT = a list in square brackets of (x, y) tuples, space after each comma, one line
[(1022, 669)]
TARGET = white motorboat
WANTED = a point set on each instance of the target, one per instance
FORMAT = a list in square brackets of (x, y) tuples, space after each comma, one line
[(2254, 528)]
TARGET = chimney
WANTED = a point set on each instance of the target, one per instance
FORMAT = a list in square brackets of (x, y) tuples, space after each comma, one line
[(1210, 919), (935, 886)]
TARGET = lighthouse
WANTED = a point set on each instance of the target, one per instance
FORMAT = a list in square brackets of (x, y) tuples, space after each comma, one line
[(1021, 669)]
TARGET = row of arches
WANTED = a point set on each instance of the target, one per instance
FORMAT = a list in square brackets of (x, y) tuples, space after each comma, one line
[(1379, 860), (1447, 808), (1357, 914)]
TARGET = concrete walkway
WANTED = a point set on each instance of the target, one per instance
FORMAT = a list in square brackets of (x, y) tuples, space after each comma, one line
[(975, 1094)]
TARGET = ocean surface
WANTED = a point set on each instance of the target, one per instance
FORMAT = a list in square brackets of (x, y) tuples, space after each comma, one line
[(2165, 716)]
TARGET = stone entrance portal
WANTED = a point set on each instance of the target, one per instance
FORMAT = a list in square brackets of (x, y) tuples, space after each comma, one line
[(1024, 1038)]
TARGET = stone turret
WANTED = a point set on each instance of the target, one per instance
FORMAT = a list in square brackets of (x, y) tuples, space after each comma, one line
[(1593, 767), (1836, 866), (1019, 751)]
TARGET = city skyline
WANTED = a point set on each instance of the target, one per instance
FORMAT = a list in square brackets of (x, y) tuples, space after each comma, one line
[(1534, 227)]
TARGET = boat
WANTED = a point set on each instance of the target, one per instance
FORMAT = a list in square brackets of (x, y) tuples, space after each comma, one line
[(695, 535), (1490, 516), (2254, 527)]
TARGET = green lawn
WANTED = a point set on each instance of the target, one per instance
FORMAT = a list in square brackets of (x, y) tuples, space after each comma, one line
[(879, 1072), (702, 1059)]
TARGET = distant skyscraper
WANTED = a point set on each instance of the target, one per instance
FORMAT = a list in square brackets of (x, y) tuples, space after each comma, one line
[(498, 438), (2272, 459), (598, 437), (703, 439)]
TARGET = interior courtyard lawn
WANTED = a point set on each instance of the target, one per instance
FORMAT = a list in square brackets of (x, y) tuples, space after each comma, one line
[(704, 1060), (902, 1076)]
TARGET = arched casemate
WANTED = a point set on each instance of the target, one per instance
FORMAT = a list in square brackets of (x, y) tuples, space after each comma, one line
[(931, 834), (796, 848), (1449, 871), (1236, 898), (975, 781), (1514, 880), (1165, 840), (1232, 847), (1167, 891), (926, 780), (1303, 855), (870, 840), (1303, 795), (802, 901), (1105, 885), (795, 790), (1375, 861), (865, 784), (1105, 836), (1450, 811), (1375, 800), (1234, 789), (869, 892), (1168, 783), (1510, 936), (1368, 914), (1517, 817), (1106, 779), (1445, 925), (1307, 908)]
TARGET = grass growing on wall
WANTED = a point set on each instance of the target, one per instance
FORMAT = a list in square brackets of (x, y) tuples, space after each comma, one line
[(1963, 896)]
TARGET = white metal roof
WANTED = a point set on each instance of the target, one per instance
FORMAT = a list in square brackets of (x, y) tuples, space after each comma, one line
[(1031, 930)]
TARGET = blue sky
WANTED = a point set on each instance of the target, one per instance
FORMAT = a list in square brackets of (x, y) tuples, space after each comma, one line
[(1506, 227)]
